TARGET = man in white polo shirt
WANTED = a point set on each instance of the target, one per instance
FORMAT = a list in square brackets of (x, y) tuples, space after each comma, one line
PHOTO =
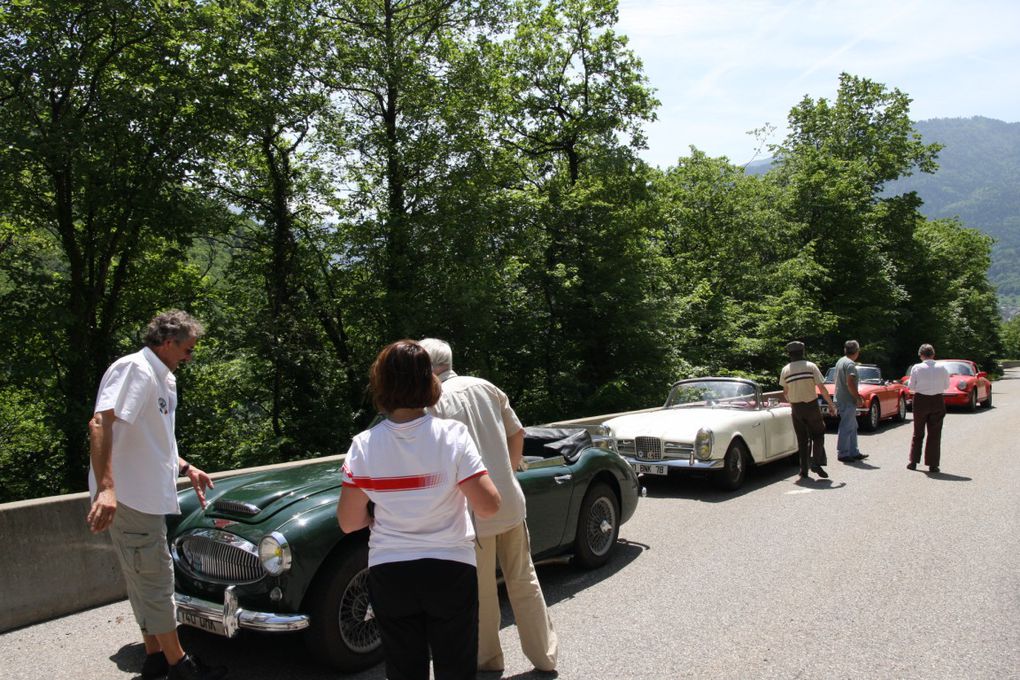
[(928, 383), (498, 433), (133, 484)]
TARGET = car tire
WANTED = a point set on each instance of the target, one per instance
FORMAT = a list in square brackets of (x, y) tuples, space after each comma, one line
[(598, 526), (972, 404), (339, 634), (901, 409), (873, 417), (988, 401), (734, 471)]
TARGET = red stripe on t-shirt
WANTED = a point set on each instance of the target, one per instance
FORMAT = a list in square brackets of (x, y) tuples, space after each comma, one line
[(409, 483), (477, 474)]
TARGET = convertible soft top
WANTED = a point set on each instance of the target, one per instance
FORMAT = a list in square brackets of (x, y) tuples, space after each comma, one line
[(546, 442)]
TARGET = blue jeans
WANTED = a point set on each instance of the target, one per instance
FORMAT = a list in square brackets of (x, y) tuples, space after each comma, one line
[(846, 438)]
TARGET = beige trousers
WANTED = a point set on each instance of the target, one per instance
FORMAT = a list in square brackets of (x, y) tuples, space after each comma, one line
[(512, 550)]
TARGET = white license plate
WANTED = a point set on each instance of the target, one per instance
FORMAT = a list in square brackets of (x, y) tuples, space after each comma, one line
[(189, 618), (650, 469)]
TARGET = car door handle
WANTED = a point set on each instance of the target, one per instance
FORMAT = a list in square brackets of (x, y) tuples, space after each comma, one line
[(758, 424), (562, 479)]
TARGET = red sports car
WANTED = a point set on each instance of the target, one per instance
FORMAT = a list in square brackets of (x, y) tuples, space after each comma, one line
[(967, 385), (883, 399)]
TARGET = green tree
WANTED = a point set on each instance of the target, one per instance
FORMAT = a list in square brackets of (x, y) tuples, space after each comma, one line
[(102, 109), (837, 160), (569, 108)]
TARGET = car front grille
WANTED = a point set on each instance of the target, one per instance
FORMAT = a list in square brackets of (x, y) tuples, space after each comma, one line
[(648, 448), (218, 557)]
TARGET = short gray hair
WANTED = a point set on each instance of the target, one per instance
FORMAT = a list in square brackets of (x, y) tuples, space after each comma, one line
[(172, 325), (439, 352), (926, 351), (851, 347)]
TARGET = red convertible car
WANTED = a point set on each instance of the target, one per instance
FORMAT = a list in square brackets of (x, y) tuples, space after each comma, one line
[(967, 385), (883, 399)]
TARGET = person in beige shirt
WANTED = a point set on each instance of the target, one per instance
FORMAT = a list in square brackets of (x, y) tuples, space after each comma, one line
[(802, 383), (502, 538)]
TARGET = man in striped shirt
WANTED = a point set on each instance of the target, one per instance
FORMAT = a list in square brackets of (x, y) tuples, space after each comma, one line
[(801, 382)]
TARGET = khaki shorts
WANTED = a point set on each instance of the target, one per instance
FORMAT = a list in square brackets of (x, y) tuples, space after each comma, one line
[(140, 542)]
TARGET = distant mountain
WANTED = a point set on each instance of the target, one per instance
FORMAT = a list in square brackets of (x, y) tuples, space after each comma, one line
[(978, 181)]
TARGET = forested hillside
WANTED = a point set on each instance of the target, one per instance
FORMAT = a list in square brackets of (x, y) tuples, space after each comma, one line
[(979, 182), (316, 178)]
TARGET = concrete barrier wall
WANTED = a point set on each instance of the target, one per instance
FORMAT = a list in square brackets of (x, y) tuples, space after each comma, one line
[(52, 565)]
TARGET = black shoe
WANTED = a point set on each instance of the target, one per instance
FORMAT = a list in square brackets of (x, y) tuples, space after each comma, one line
[(934, 468), (803, 475), (155, 666), (820, 471), (860, 456), (190, 668), (911, 466)]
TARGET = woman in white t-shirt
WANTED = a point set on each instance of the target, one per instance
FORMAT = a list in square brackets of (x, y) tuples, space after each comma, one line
[(422, 474)]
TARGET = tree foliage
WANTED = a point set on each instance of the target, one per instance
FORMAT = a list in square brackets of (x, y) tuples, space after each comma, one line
[(315, 178)]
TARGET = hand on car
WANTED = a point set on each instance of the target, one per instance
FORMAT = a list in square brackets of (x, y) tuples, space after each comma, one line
[(200, 481)]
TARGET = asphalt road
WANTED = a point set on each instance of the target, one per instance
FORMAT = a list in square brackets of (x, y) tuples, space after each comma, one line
[(878, 572)]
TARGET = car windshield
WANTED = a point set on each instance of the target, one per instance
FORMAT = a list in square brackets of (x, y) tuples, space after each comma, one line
[(956, 367), (867, 375), (712, 394)]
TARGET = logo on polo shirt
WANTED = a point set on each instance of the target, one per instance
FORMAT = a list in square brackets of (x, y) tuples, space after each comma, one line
[(162, 406)]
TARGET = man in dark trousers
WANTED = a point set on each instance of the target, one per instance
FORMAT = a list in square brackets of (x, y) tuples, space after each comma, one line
[(801, 382), (928, 382)]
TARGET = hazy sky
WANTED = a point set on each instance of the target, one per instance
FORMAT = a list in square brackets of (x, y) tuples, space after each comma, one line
[(723, 67)]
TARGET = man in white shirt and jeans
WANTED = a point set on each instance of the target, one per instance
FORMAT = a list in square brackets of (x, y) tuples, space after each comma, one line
[(928, 383), (494, 426), (133, 484)]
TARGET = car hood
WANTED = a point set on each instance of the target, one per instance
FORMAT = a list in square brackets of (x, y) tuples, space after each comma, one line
[(677, 424), (256, 497)]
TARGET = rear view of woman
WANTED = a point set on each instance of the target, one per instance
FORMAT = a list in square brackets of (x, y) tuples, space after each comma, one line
[(422, 474)]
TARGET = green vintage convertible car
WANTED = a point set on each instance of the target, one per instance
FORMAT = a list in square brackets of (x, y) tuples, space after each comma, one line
[(267, 555)]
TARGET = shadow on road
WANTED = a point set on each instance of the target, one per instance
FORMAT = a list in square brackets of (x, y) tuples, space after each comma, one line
[(129, 658), (819, 484), (697, 487), (257, 656), (948, 477)]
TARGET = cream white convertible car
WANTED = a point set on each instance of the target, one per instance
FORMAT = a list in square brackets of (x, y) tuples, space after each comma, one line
[(718, 426)]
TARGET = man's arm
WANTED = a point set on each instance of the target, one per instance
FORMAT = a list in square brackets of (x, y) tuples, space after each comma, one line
[(515, 444), (851, 385), (104, 505)]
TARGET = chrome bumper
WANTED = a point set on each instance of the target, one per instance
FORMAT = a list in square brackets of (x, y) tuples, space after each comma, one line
[(227, 618), (691, 463)]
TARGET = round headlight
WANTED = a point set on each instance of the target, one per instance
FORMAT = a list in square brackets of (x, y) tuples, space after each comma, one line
[(703, 443), (962, 385), (274, 553)]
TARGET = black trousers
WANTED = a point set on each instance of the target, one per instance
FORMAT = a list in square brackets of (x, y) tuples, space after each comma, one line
[(929, 412), (810, 430), (427, 604)]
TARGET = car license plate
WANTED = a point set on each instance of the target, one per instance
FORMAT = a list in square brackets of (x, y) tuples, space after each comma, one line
[(650, 469), (190, 618)]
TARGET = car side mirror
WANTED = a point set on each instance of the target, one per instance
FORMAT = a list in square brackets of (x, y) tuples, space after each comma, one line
[(982, 374)]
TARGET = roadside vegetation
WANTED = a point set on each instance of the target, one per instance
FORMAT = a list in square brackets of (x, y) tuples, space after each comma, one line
[(315, 178)]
